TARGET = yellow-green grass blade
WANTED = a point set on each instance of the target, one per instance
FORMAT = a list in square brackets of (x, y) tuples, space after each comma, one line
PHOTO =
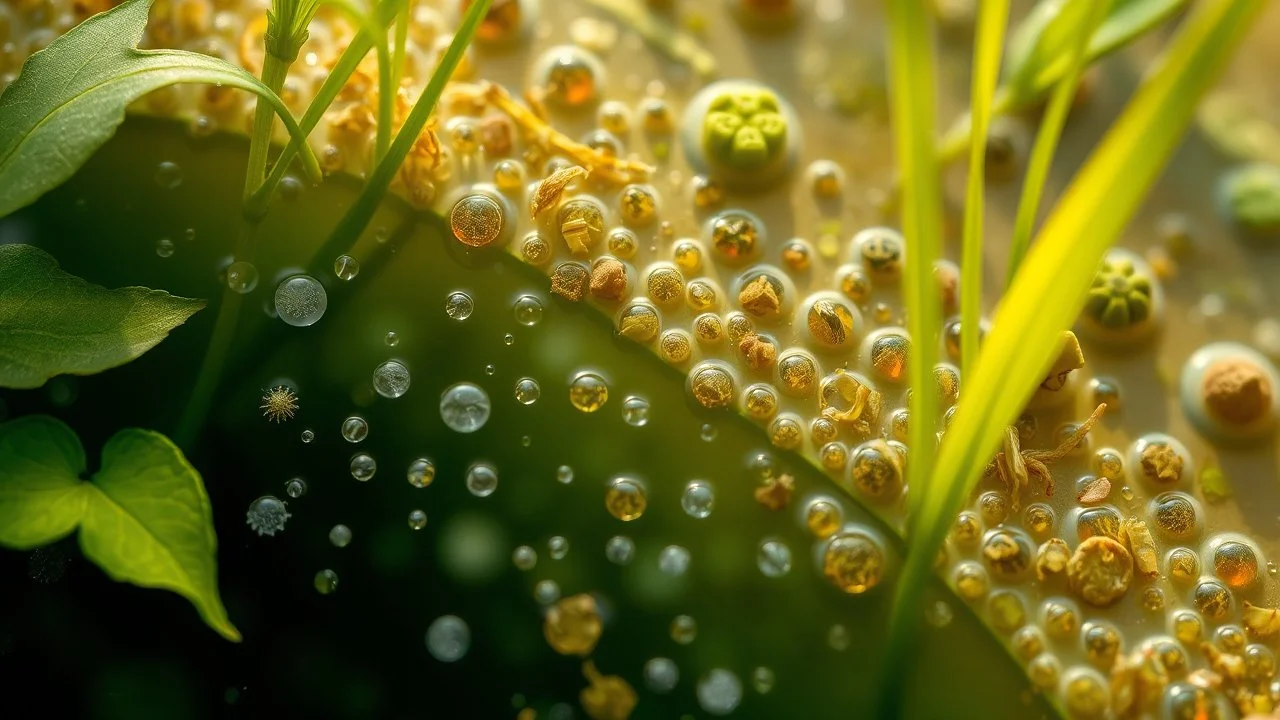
[(1084, 19), (1049, 290), (993, 16), (913, 105)]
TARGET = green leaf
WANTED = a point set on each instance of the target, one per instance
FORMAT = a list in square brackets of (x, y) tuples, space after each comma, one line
[(149, 522), (144, 519), (42, 497), (52, 322), (71, 97)]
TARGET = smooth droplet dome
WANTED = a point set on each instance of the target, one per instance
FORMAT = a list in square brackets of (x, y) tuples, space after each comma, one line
[(301, 301), (391, 379), (464, 407)]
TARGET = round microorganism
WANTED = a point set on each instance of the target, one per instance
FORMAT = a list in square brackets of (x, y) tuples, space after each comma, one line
[(267, 515)]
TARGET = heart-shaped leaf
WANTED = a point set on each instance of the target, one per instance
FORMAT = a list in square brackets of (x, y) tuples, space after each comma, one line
[(144, 519), (52, 322)]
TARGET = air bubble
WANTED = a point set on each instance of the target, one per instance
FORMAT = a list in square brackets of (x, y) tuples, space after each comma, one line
[(773, 558), (164, 247), (527, 391), (719, 692), (661, 675), (698, 500), (301, 301), (391, 379), (673, 560), (459, 306), (588, 392), (267, 515), (448, 638), (421, 472), (564, 474), (482, 480), (346, 267), (340, 536), (546, 592), (558, 547), (295, 488), (308, 435), (528, 310), (242, 277), (635, 411), (417, 519), (464, 408), (363, 467), (684, 629), (355, 429), (168, 175), (391, 339), (709, 432), (620, 550), (762, 679), (524, 557), (326, 581)]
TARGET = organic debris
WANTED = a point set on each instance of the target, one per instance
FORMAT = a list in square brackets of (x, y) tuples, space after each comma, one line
[(1015, 467)]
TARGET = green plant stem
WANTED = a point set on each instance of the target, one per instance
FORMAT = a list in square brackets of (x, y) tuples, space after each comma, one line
[(1046, 142), (993, 16), (274, 71), (402, 41), (358, 217), (224, 330)]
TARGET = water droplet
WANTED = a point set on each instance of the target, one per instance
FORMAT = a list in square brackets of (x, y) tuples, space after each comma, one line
[(490, 369), (417, 519), (938, 614), (421, 472), (635, 411), (527, 391), (661, 675), (719, 692), (308, 435), (546, 592), (528, 310), (164, 247), (242, 277), (762, 679), (525, 441), (267, 515), (773, 558), (295, 488), (340, 536), (620, 550), (698, 499), (524, 557), (189, 234), (346, 267), (482, 480), (448, 638), (464, 407), (684, 629), (326, 582), (558, 547), (391, 379), (391, 338), (301, 301), (625, 499), (709, 432), (838, 638), (588, 392), (168, 175), (363, 467), (564, 474), (673, 560), (355, 429), (459, 306), (508, 339)]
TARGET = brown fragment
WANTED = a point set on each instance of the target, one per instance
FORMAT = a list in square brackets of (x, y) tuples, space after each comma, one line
[(573, 626), (1161, 464), (1143, 548), (759, 353), (1100, 571), (606, 697), (609, 279), (1263, 622), (1236, 391), (1138, 681), (1070, 358), (1095, 492), (1052, 558), (496, 135), (759, 298), (552, 187), (569, 280), (776, 492), (1225, 664)]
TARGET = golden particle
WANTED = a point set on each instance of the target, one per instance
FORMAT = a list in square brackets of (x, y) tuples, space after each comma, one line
[(737, 325), (1006, 554), (625, 499), (1152, 599), (855, 285), (785, 432), (675, 346), (970, 581), (708, 328), (614, 117), (1143, 548), (712, 386), (875, 469), (946, 380), (551, 188), (826, 177), (1228, 665), (757, 352), (571, 79), (1236, 391), (900, 424), (609, 279), (967, 528), (822, 431), (1212, 599), (622, 243), (834, 456), (1161, 464), (1236, 564), (638, 205), (535, 249), (994, 507), (279, 404), (853, 562), (1044, 671), (1039, 519), (850, 402), (581, 224), (476, 220), (776, 492), (1060, 620), (1052, 558), (508, 176), (588, 392), (1263, 622), (1231, 638), (666, 230), (761, 296), (734, 236), (761, 402), (889, 353), (1187, 627), (1184, 565), (1259, 663), (830, 322), (607, 697), (1098, 521), (797, 374), (700, 295), (796, 255), (1087, 696), (1027, 642), (707, 193), (822, 518), (665, 286), (687, 255), (1100, 571), (1101, 644), (572, 626), (464, 137), (882, 313), (1175, 515), (639, 322), (1006, 611)]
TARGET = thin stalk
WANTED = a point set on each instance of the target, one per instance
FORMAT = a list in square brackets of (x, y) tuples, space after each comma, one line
[(993, 16), (402, 40), (1047, 136), (387, 83), (358, 217), (274, 71)]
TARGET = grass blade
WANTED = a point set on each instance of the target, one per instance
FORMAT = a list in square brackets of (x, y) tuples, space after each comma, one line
[(913, 106), (993, 16), (1083, 19), (1049, 291)]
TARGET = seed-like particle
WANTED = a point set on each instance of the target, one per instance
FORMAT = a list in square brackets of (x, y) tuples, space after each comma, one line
[(1143, 548), (760, 297), (1161, 464), (279, 404), (712, 386), (552, 187), (758, 352), (569, 280), (609, 279), (1095, 491), (1263, 622), (572, 626), (1100, 571), (1236, 391), (1052, 558)]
